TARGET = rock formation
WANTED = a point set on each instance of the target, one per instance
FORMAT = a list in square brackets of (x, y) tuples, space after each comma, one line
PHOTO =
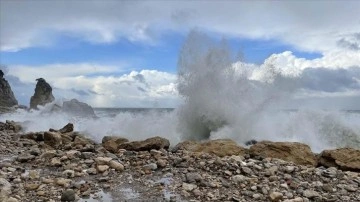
[(76, 108), (43, 94), (7, 98)]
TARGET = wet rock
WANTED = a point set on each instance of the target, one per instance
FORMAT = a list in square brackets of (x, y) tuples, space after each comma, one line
[(77, 108), (220, 147), (289, 151), (68, 195), (43, 94), (343, 158), (146, 145)]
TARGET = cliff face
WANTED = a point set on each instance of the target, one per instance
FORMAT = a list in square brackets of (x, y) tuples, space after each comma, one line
[(43, 94), (7, 98)]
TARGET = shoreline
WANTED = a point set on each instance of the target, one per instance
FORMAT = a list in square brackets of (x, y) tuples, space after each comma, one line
[(64, 164)]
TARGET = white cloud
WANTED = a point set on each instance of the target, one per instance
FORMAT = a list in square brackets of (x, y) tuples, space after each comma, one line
[(92, 84), (310, 25)]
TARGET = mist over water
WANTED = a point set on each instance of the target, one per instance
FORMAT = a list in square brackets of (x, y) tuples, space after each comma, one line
[(221, 98)]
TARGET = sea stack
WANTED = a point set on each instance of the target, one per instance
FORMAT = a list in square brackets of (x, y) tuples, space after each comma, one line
[(43, 94), (7, 98)]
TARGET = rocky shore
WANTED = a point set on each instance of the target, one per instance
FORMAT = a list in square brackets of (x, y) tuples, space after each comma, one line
[(65, 165)]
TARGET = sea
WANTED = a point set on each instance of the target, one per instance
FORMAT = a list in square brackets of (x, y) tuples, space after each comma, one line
[(320, 129)]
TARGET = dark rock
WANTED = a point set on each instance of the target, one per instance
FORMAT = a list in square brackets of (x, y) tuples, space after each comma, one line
[(7, 98), (76, 108), (43, 94), (25, 158), (343, 158), (250, 142), (146, 145), (68, 195), (66, 129)]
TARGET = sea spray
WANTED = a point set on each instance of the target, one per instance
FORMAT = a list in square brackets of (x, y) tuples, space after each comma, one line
[(218, 95)]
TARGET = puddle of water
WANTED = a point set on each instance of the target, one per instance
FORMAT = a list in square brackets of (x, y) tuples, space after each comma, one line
[(129, 193), (100, 196)]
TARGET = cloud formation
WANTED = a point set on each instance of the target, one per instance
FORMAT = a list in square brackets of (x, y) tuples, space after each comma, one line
[(307, 25), (145, 88), (101, 85)]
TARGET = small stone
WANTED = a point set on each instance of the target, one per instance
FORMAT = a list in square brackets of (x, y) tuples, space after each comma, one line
[(150, 166), (238, 178), (247, 170), (11, 199), (193, 177), (161, 163), (102, 168), (102, 160), (350, 188), (256, 196), (189, 187), (289, 169), (33, 174), (68, 195), (69, 173), (276, 196), (116, 165), (31, 187), (310, 194), (55, 162)]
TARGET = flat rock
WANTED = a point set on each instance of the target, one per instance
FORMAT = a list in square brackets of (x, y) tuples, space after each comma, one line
[(288, 151), (220, 147), (343, 158), (146, 145)]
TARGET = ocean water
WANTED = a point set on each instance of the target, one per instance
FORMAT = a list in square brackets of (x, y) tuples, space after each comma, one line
[(319, 129)]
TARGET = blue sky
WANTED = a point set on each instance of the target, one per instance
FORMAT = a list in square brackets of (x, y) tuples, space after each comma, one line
[(162, 57), (105, 47)]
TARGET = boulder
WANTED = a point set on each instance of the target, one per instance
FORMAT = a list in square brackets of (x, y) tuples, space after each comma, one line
[(146, 145), (111, 143), (76, 108), (288, 151), (53, 139), (66, 129), (43, 94), (219, 147), (7, 98), (343, 158)]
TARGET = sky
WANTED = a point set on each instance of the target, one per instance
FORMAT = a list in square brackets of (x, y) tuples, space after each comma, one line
[(125, 53)]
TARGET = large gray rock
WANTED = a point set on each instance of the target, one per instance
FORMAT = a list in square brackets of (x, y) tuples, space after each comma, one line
[(43, 94), (7, 98), (74, 107)]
